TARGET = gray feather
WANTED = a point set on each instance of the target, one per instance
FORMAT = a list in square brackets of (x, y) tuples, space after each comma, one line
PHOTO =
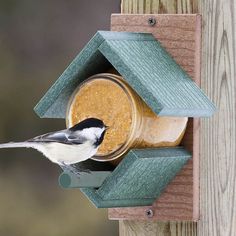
[(17, 145), (63, 136)]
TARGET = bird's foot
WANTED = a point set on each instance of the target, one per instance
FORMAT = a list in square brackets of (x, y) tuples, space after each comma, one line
[(70, 169), (81, 169)]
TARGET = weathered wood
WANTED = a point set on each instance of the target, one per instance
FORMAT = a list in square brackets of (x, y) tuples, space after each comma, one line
[(180, 201), (159, 6), (131, 228), (149, 228), (218, 135)]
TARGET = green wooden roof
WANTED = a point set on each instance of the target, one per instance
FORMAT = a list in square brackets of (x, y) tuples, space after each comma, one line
[(146, 66)]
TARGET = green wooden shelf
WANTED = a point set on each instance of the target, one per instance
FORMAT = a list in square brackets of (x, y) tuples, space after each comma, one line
[(137, 181)]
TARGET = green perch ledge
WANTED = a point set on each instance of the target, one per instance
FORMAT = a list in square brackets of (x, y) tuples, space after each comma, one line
[(138, 180)]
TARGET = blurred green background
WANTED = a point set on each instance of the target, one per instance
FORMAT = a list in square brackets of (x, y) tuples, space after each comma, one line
[(38, 39)]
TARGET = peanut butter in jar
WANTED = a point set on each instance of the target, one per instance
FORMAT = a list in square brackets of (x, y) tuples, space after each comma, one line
[(104, 99), (132, 124)]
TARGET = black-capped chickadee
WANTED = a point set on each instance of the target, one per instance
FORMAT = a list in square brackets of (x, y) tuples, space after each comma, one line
[(69, 146)]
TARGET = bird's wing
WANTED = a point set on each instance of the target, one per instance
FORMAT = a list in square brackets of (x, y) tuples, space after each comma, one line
[(63, 136)]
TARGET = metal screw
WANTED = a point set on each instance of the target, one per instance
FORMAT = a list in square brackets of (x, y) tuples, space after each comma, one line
[(149, 213), (151, 21)]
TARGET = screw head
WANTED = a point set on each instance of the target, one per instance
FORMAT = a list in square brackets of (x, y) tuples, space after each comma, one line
[(149, 213), (151, 21)]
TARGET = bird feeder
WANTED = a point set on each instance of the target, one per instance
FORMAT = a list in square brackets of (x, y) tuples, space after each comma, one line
[(143, 174)]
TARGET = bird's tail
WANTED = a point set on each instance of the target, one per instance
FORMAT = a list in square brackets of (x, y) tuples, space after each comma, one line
[(17, 145)]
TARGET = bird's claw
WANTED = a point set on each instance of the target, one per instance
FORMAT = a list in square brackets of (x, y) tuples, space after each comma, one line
[(85, 171), (78, 168), (70, 169), (74, 170)]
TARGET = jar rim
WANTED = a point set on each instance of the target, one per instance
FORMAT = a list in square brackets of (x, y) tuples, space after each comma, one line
[(129, 93)]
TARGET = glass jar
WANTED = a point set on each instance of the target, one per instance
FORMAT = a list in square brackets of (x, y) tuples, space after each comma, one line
[(132, 124)]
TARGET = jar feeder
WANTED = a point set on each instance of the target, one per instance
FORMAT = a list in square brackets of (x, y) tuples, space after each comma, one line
[(163, 85)]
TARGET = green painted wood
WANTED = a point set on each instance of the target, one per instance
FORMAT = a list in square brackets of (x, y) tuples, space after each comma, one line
[(140, 178), (93, 179), (146, 66), (89, 62), (98, 202)]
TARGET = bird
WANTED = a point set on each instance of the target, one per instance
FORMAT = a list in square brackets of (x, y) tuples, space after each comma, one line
[(69, 146)]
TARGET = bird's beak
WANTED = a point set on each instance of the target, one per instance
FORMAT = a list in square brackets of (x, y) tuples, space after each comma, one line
[(106, 127)]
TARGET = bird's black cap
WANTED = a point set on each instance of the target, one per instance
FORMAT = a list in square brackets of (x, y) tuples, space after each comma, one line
[(88, 123)]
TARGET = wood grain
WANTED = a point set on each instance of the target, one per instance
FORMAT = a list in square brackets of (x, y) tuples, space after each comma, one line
[(176, 33), (149, 228), (128, 228), (218, 135), (180, 35), (159, 6)]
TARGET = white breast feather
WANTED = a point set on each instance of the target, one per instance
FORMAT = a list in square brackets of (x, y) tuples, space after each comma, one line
[(69, 154)]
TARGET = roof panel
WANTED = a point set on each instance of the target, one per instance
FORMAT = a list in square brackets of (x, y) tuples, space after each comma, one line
[(146, 66), (169, 91)]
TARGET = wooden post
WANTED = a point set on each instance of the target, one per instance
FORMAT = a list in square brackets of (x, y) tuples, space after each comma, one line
[(218, 134)]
